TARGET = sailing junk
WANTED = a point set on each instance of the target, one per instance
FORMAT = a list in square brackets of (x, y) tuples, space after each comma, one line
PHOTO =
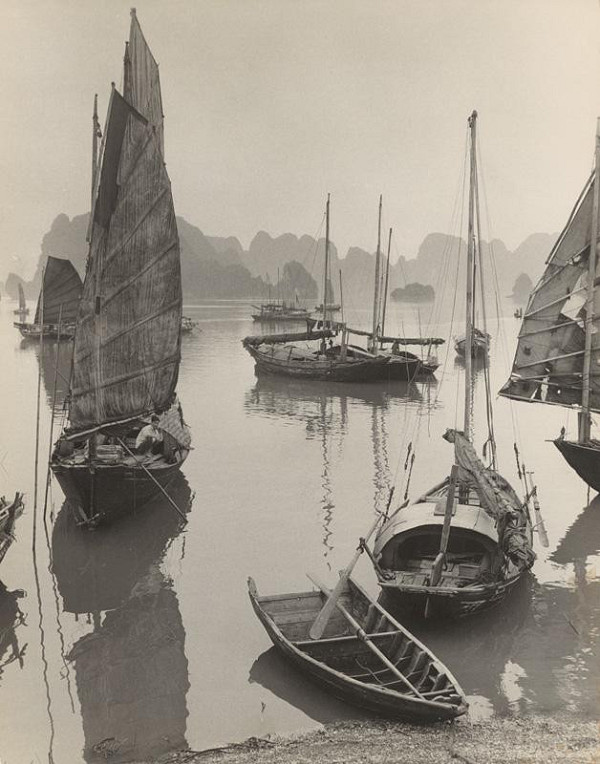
[(22, 310), (466, 542), (279, 354), (558, 351), (127, 346), (58, 303)]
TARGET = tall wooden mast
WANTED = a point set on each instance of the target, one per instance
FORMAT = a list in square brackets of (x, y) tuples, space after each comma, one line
[(385, 288), (96, 133), (326, 268), (377, 280), (470, 272), (584, 414)]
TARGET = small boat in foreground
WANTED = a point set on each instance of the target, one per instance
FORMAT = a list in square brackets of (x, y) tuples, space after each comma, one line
[(8, 516), (408, 682)]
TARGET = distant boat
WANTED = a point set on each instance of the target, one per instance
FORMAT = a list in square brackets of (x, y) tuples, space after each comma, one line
[(364, 657), (9, 512), (280, 311), (466, 542), (558, 351), (329, 308), (22, 310), (127, 348), (282, 354), (480, 344), (187, 325), (57, 304)]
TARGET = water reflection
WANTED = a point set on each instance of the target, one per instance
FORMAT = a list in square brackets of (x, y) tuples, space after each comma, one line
[(55, 365), (131, 670), (11, 617), (273, 672)]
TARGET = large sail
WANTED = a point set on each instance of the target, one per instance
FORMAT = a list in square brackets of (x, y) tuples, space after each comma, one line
[(127, 344), (61, 293), (548, 365)]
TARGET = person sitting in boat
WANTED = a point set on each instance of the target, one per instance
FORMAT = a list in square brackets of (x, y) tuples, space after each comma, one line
[(150, 438), (395, 348)]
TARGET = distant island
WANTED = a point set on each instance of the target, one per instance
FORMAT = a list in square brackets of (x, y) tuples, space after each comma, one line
[(414, 292)]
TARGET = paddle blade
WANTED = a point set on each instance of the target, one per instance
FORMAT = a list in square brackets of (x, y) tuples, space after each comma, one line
[(320, 623)]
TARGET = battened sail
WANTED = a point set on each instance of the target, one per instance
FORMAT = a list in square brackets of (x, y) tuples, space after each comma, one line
[(61, 289), (548, 365), (22, 303), (127, 346)]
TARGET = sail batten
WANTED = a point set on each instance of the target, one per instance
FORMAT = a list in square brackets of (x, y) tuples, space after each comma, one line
[(127, 347), (549, 359)]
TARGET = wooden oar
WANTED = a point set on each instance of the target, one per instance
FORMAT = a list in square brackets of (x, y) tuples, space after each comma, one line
[(440, 560), (318, 627), (361, 634), (539, 520), (154, 480)]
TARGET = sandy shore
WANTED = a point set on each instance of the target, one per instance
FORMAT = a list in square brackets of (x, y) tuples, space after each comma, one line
[(529, 739)]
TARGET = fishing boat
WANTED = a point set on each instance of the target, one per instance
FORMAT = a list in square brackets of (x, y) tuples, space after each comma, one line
[(465, 543), (22, 310), (558, 348), (364, 657), (330, 307), (58, 303), (280, 311), (480, 344), (402, 364), (188, 325), (295, 354), (9, 512), (127, 347)]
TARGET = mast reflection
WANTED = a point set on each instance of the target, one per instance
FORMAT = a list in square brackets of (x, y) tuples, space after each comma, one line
[(131, 669)]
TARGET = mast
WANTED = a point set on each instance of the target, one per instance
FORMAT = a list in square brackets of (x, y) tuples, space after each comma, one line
[(377, 279), (472, 122), (326, 268), (584, 414), (127, 86), (385, 288)]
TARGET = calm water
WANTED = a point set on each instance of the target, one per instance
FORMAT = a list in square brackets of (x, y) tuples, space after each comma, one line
[(139, 638)]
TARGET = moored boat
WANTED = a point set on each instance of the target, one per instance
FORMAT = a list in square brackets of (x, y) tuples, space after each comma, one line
[(126, 438), (327, 360), (9, 512), (464, 544), (280, 311), (480, 344), (58, 303), (408, 682), (558, 349)]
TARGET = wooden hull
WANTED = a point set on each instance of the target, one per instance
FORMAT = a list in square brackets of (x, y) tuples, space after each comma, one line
[(335, 370), (584, 458), (323, 660), (106, 492), (437, 602), (50, 331), (479, 347)]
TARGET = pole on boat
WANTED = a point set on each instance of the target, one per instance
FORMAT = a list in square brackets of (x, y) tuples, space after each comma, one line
[(584, 414), (364, 637), (377, 279), (54, 387), (320, 622), (154, 480), (472, 122), (326, 266), (385, 288), (539, 520), (440, 560), (341, 296), (37, 418)]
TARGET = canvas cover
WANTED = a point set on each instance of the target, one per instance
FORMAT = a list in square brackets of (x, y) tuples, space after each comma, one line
[(127, 345), (62, 288), (548, 364), (498, 499)]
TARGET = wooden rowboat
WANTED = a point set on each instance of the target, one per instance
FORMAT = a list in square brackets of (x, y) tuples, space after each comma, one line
[(364, 657)]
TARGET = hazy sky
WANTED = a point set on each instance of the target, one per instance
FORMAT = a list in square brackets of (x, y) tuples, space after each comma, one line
[(270, 104)]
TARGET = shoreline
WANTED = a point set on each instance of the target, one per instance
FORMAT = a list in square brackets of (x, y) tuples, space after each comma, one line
[(525, 740)]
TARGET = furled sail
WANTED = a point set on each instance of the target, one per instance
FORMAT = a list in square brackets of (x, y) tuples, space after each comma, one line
[(548, 365), (61, 290), (127, 345)]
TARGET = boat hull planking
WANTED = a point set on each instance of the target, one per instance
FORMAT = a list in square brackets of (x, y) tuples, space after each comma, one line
[(584, 458)]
